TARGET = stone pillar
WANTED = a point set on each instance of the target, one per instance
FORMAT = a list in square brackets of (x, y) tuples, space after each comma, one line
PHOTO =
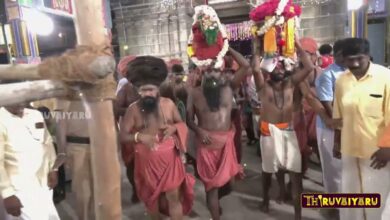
[(25, 45)]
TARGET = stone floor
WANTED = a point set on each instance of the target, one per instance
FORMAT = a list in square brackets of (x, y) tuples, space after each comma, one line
[(242, 204)]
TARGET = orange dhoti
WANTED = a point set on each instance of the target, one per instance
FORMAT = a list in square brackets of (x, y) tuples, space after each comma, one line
[(217, 163), (162, 170)]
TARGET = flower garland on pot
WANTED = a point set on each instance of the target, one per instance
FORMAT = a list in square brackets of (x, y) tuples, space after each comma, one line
[(279, 24), (208, 41)]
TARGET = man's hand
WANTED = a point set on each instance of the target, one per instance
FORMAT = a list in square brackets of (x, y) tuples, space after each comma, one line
[(380, 158), (52, 179), (203, 136), (148, 140), (329, 123), (332, 123), (61, 159), (13, 206), (168, 131)]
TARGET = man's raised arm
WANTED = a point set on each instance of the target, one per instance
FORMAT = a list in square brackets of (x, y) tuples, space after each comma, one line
[(307, 68), (256, 70), (242, 72)]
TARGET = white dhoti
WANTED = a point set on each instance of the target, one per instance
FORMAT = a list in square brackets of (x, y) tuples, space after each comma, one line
[(37, 205), (331, 167), (280, 150), (359, 177)]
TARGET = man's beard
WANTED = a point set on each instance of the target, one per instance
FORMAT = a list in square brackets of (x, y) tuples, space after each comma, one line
[(277, 77), (149, 104), (212, 93)]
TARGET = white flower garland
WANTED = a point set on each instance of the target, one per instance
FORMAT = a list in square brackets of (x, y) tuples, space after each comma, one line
[(276, 19), (213, 16)]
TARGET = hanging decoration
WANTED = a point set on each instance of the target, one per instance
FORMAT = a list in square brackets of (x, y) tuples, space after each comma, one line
[(276, 20), (208, 41), (239, 31)]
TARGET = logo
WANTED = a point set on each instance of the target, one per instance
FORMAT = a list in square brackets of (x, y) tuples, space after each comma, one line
[(67, 115), (310, 200)]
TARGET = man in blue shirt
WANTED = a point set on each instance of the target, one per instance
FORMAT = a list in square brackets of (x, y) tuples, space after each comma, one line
[(325, 85)]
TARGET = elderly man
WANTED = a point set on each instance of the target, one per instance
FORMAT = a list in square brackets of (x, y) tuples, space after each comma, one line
[(362, 102), (154, 131), (28, 166)]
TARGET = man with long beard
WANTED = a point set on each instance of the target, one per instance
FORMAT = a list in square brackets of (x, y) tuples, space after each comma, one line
[(152, 126), (212, 103)]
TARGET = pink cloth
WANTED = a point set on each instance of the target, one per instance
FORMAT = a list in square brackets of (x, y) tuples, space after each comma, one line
[(309, 44), (217, 163), (161, 170), (122, 65)]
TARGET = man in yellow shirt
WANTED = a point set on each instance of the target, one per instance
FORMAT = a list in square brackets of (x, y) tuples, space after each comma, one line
[(362, 102)]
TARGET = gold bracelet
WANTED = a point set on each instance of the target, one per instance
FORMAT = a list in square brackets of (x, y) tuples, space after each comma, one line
[(136, 137)]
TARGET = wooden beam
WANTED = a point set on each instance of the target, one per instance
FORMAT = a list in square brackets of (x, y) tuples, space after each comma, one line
[(19, 72), (15, 93), (104, 162), (101, 66)]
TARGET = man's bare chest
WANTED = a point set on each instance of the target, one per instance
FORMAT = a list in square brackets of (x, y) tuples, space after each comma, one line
[(279, 97), (225, 102)]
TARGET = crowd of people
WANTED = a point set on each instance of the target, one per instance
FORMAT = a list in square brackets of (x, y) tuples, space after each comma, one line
[(336, 105), (291, 97)]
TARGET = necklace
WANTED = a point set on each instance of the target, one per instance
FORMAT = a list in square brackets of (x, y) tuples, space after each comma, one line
[(278, 105)]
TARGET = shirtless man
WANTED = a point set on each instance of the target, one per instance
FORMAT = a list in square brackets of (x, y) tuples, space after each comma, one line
[(276, 95), (152, 126), (211, 103)]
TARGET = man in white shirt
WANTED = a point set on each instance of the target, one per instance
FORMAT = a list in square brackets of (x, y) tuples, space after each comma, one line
[(28, 166)]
